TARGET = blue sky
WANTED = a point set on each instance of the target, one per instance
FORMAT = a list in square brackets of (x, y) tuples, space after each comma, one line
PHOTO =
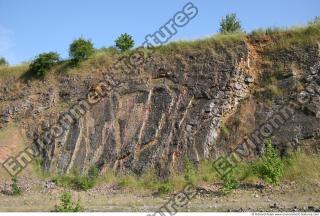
[(28, 28)]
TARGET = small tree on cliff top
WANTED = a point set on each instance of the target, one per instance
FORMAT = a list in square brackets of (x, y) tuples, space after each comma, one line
[(230, 24)]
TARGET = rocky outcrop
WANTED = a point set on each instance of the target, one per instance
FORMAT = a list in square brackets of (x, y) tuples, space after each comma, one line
[(174, 107), (156, 121)]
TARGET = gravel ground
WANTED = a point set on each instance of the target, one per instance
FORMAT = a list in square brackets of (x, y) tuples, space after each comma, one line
[(44, 195)]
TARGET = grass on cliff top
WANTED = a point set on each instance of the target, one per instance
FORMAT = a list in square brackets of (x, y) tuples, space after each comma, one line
[(285, 38), (282, 39), (16, 71), (229, 42)]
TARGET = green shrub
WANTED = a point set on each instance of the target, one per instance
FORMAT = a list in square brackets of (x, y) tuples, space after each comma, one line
[(80, 50), (16, 190), (165, 188), (229, 183), (67, 205), (43, 63), (83, 183), (230, 24), (77, 181), (270, 167), (124, 42), (3, 62), (189, 171)]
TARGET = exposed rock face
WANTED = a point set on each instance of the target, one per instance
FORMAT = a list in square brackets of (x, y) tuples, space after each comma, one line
[(173, 108), (154, 122)]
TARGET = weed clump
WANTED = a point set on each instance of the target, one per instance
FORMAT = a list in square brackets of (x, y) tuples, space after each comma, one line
[(165, 188), (79, 182), (229, 183), (16, 190), (67, 205)]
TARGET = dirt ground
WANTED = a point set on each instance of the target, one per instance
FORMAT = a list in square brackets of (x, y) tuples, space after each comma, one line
[(43, 196)]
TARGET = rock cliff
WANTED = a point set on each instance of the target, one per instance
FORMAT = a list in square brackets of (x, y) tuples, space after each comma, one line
[(197, 102)]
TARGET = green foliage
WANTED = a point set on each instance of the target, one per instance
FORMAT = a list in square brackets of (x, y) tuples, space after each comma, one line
[(230, 24), (270, 167), (93, 172), (124, 42), (76, 182), (229, 183), (3, 62), (80, 50), (67, 205), (84, 183), (79, 182), (189, 171), (16, 190), (165, 188), (43, 63), (126, 181)]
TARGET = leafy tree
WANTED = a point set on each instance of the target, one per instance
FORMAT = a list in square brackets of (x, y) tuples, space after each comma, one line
[(67, 205), (80, 50), (124, 42), (3, 61), (230, 24), (16, 190), (43, 63)]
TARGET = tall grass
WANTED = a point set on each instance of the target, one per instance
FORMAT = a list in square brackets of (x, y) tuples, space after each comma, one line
[(285, 38), (16, 71), (303, 168), (228, 41)]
